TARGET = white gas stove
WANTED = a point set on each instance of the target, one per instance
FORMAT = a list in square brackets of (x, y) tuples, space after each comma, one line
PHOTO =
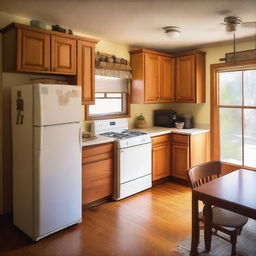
[(134, 171)]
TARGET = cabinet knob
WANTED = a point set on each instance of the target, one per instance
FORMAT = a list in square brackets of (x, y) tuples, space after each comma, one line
[(46, 69), (53, 69)]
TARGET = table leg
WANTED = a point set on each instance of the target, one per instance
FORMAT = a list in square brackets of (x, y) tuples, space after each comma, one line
[(195, 226), (208, 226)]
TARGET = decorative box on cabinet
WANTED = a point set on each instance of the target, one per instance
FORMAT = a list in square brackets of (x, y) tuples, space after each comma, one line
[(153, 76)]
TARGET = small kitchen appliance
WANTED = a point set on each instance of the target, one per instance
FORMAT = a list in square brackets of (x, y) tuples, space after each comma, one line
[(188, 121), (133, 173), (47, 150), (165, 118)]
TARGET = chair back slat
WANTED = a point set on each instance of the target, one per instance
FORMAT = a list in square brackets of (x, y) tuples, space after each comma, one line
[(203, 173)]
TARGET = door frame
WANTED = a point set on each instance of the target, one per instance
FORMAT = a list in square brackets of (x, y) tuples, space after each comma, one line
[(214, 121)]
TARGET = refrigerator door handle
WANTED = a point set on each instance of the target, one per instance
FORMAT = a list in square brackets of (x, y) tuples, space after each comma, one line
[(80, 139)]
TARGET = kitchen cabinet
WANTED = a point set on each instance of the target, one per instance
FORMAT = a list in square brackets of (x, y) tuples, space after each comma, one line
[(63, 55), (97, 172), (190, 77), (160, 157), (28, 49), (153, 76), (34, 50), (188, 151), (85, 70)]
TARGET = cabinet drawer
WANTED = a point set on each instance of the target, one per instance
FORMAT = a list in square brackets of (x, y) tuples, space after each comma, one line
[(180, 139), (161, 139), (97, 153)]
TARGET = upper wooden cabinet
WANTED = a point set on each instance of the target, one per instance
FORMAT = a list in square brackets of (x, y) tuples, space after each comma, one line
[(34, 50), (166, 88), (85, 70), (153, 77), (190, 77), (63, 55)]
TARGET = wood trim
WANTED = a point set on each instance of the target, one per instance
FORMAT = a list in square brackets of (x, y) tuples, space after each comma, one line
[(214, 69), (22, 26), (193, 52), (143, 50), (102, 117)]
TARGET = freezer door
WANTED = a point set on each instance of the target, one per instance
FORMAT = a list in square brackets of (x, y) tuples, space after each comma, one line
[(58, 189), (56, 104)]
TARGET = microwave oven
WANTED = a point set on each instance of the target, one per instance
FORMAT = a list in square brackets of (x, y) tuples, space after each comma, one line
[(165, 118)]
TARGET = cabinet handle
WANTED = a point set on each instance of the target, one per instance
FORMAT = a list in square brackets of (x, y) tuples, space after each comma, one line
[(46, 69), (53, 69)]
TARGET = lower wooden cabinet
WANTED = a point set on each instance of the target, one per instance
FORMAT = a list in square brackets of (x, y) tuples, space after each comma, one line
[(188, 151), (160, 157), (97, 172)]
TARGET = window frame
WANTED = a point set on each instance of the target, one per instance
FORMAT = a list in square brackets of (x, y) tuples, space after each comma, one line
[(215, 134), (126, 114)]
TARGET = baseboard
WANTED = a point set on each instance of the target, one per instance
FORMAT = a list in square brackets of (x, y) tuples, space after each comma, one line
[(160, 181), (97, 202), (179, 181)]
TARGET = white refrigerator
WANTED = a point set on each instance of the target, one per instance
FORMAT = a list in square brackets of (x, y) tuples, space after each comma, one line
[(47, 182)]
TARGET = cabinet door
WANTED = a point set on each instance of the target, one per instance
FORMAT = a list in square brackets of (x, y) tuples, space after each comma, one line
[(161, 162), (151, 78), (97, 172), (185, 79), (63, 58), (180, 161), (97, 180), (85, 71), (33, 51), (166, 86)]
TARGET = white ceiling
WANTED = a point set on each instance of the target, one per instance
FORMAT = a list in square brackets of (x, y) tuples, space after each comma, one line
[(139, 23)]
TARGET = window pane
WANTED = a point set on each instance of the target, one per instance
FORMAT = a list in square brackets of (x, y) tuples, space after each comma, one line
[(106, 106), (231, 135), (250, 137), (99, 95), (230, 88), (114, 95), (250, 88)]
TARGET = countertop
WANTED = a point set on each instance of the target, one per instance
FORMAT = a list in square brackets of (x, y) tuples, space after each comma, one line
[(156, 131), (152, 131), (100, 140)]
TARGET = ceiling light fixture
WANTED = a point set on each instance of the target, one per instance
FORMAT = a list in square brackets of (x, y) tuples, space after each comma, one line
[(172, 31)]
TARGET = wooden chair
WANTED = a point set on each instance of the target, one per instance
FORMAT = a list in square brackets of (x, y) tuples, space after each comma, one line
[(223, 220)]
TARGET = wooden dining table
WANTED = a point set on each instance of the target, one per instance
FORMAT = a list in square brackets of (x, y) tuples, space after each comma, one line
[(235, 191)]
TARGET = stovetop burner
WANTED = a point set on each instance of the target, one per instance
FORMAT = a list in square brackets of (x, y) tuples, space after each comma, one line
[(126, 134)]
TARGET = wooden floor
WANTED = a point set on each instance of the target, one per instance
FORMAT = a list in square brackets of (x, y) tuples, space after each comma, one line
[(149, 223)]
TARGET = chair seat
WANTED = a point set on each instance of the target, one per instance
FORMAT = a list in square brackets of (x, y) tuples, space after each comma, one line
[(227, 218)]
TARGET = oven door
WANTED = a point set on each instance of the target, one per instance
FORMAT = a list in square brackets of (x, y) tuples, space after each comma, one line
[(135, 162)]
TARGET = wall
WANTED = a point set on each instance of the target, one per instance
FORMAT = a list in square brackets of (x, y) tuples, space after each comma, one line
[(201, 112)]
